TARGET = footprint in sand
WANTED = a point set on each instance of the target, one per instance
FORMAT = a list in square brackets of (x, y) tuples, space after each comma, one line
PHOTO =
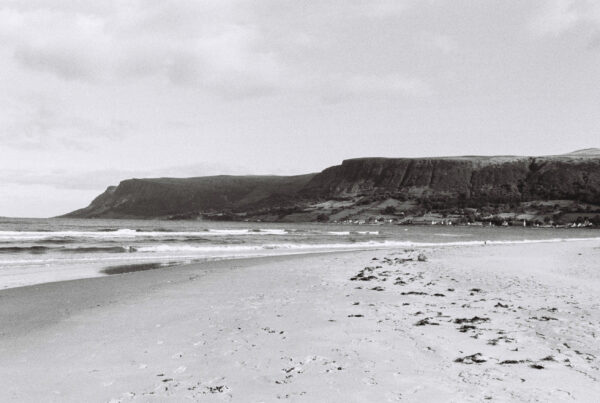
[(369, 381), (180, 370)]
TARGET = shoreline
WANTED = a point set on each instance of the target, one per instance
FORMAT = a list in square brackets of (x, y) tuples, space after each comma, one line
[(88, 292), (162, 265), (146, 263), (508, 322)]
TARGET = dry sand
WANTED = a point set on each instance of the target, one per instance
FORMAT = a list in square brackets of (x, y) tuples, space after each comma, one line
[(502, 323)]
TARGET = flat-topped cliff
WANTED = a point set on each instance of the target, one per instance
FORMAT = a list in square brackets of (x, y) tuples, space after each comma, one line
[(161, 197), (476, 179), (437, 183)]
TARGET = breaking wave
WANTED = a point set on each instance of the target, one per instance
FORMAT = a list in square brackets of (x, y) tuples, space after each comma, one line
[(38, 249), (338, 246), (129, 234)]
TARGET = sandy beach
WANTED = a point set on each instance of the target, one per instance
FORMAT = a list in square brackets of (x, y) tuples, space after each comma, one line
[(501, 323)]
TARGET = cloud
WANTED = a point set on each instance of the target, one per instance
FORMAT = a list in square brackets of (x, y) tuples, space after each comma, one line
[(227, 61), (63, 62), (64, 180), (594, 42), (231, 48), (41, 200), (37, 124), (558, 17), (377, 9), (100, 179), (444, 43), (192, 44), (66, 43), (351, 86), (384, 84)]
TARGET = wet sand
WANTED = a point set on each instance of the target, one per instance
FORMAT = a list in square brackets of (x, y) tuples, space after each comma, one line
[(502, 322)]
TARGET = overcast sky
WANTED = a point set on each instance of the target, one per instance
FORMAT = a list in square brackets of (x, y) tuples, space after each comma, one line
[(93, 92)]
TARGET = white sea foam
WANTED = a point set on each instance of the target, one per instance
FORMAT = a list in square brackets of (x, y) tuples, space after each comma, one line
[(126, 233), (271, 246), (168, 251), (264, 231), (344, 233), (337, 246)]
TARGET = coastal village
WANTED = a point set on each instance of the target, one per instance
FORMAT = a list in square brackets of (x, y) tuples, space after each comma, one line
[(548, 214), (563, 214), (457, 220)]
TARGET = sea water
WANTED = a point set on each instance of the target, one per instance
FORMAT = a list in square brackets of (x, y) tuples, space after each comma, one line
[(34, 251)]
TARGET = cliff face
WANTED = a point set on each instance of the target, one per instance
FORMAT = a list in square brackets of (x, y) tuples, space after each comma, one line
[(447, 181), (410, 176), (470, 179), (162, 197)]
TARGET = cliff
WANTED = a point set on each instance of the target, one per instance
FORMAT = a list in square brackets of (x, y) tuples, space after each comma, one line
[(163, 197), (472, 180), (432, 183)]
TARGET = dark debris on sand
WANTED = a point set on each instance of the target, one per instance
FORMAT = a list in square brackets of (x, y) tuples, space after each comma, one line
[(466, 328), (364, 275), (426, 321), (216, 389), (476, 358), (543, 318), (474, 319), (510, 362)]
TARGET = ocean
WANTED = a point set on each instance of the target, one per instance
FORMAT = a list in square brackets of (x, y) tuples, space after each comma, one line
[(34, 251)]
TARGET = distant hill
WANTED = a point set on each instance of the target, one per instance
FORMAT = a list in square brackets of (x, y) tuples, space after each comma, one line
[(586, 152), (406, 185), (163, 197)]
